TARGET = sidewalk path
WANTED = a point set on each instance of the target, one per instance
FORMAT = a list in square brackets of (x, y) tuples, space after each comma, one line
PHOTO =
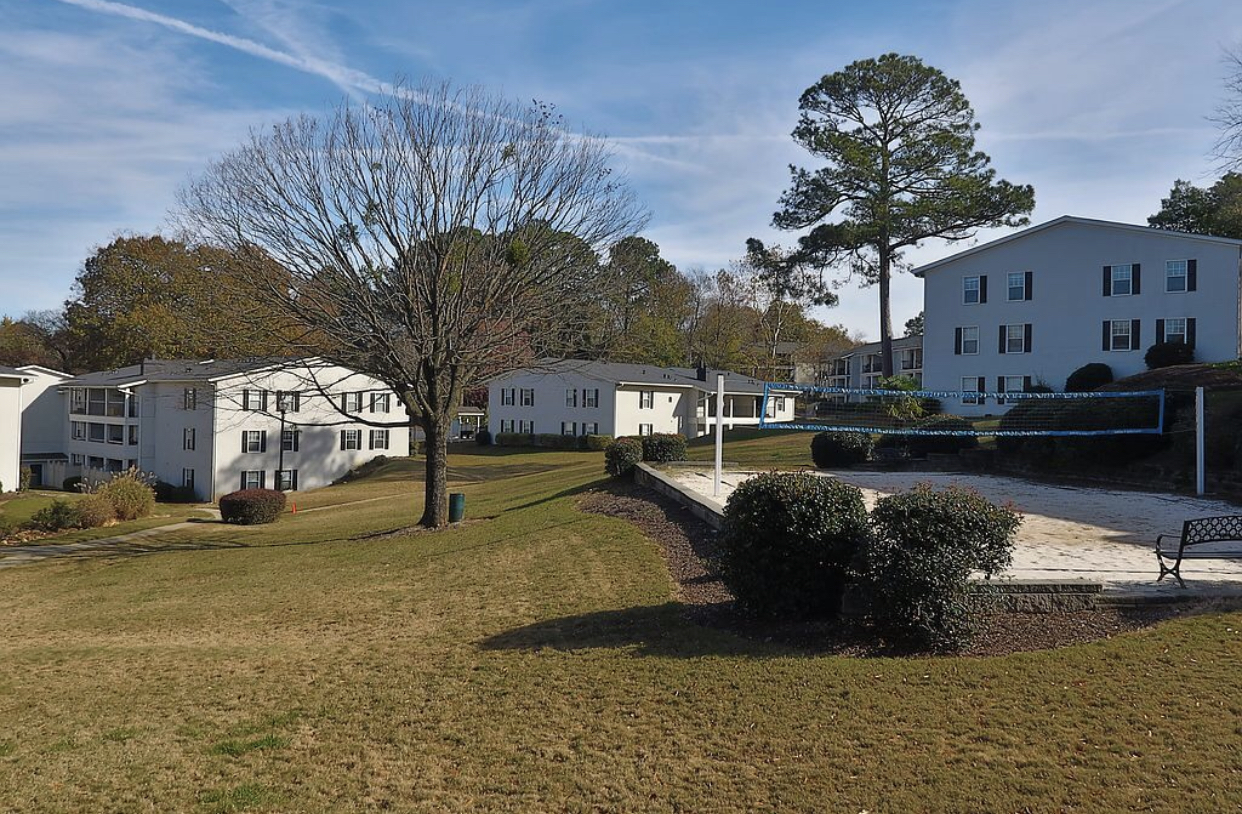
[(13, 556)]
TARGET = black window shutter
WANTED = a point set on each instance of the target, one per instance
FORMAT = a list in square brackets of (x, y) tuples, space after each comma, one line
[(1030, 278), (1136, 285), (957, 341), (1026, 384), (263, 479), (982, 384), (1108, 281), (1001, 344), (1135, 334), (245, 399), (244, 441), (1159, 331), (297, 439), (1192, 275), (262, 440), (1190, 332), (1107, 334), (1000, 388), (243, 480), (342, 439), (1026, 338), (983, 288)]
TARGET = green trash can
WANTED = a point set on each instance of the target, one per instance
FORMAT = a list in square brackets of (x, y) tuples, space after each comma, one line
[(457, 507)]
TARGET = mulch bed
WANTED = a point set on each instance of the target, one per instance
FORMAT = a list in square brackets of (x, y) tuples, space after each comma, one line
[(688, 545)]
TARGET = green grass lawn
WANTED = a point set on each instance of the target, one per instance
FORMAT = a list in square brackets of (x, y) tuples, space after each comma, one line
[(533, 659), (22, 507)]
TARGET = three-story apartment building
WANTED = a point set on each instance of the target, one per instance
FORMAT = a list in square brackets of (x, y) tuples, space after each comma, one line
[(221, 425), (1034, 306)]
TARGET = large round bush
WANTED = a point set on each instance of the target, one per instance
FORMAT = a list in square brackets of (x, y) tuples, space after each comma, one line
[(662, 448), (1168, 354), (1088, 378), (829, 449), (787, 541), (915, 568), (947, 444), (622, 455), (250, 507)]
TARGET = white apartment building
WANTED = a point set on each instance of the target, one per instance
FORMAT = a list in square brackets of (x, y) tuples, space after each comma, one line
[(43, 425), (863, 366), (221, 425), (11, 382), (1032, 307), (571, 397)]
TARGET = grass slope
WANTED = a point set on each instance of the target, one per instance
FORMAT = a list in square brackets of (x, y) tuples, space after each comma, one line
[(535, 661)]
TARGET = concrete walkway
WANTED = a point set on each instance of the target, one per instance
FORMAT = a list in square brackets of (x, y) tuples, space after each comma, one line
[(13, 556)]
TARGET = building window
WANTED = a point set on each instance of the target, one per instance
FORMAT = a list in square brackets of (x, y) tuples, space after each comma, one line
[(132, 409), (254, 440), (590, 428), (590, 397), (1175, 274), (528, 397), (1010, 384), (290, 440), (288, 401), (187, 478), (1121, 281), (646, 400), (116, 433), (1120, 334), (526, 427), (1015, 339), (133, 435), (351, 402), (253, 479), (970, 290), (95, 462), (254, 400), (381, 402), (78, 429), (379, 439), (778, 404), (189, 398), (569, 428), (571, 397), (115, 465), (187, 438), (506, 424), (1175, 330), (968, 340), (970, 384), (644, 429), (1017, 286), (506, 397), (116, 404), (287, 480), (351, 439), (77, 401), (77, 459)]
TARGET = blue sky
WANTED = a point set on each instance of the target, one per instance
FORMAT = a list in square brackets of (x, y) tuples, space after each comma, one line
[(106, 108)]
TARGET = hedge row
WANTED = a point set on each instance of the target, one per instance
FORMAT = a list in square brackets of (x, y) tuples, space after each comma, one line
[(548, 440), (621, 455), (250, 507)]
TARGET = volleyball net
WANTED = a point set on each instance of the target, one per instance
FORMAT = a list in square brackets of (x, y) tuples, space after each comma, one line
[(1001, 413)]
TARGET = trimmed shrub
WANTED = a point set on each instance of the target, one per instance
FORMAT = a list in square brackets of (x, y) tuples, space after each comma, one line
[(1168, 354), (1089, 377), (914, 570), (662, 448), (621, 456), (787, 541), (250, 507), (73, 484), (130, 495), (60, 515), (598, 443), (483, 437), (830, 449), (94, 510), (922, 445)]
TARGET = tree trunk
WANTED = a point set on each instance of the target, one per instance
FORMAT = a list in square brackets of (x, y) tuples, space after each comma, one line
[(435, 503), (886, 318)]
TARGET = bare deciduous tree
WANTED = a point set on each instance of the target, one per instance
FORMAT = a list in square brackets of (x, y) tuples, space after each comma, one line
[(429, 239), (1228, 116)]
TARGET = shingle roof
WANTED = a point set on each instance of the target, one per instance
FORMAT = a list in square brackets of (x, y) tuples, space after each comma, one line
[(624, 372), (173, 370), (12, 373)]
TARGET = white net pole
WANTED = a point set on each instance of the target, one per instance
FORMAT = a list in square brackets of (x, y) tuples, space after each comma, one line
[(1200, 447), (719, 433)]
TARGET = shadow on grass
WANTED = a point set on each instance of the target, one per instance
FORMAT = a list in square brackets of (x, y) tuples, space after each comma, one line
[(650, 630), (570, 492)]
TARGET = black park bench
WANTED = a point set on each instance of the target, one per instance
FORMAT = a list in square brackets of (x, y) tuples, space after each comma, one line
[(1226, 529)]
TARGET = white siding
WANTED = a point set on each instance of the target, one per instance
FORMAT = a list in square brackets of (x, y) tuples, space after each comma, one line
[(10, 432), (1067, 308), (550, 408), (43, 412)]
